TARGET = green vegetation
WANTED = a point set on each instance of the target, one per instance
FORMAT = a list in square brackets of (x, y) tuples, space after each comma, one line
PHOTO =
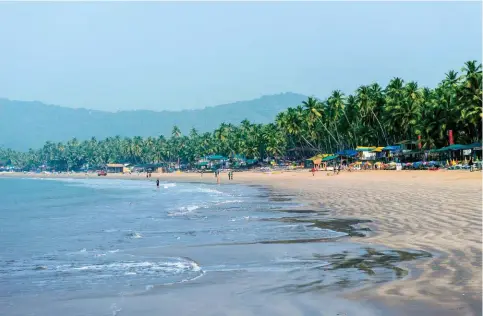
[(372, 116)]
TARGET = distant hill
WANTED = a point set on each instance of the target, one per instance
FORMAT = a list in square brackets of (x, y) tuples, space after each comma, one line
[(25, 125)]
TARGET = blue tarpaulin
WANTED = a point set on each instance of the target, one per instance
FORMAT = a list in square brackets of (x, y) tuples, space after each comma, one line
[(216, 157), (392, 148), (347, 152)]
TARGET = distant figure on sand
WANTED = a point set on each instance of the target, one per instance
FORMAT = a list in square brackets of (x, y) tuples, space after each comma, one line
[(313, 171), (471, 164), (157, 183), (202, 171)]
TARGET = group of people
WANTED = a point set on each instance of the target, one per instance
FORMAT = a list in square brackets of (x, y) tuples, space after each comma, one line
[(217, 175)]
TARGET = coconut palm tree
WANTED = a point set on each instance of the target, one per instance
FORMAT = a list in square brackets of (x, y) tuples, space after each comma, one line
[(370, 116)]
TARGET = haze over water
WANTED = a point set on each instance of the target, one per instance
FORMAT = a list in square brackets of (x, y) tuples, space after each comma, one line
[(108, 247)]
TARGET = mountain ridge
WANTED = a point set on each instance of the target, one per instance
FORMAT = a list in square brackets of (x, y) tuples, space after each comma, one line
[(29, 124)]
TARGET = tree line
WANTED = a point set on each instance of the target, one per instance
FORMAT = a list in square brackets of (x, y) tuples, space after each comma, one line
[(371, 116)]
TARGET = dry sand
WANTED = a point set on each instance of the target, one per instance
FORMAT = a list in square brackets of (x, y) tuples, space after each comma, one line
[(435, 211)]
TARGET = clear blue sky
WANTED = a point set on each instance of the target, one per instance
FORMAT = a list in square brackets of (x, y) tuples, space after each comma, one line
[(158, 55)]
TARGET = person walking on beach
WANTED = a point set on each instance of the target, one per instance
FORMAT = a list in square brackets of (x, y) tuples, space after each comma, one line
[(157, 183), (471, 164), (313, 171)]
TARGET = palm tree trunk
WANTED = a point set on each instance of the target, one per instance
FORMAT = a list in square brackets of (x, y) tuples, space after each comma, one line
[(380, 125), (325, 127)]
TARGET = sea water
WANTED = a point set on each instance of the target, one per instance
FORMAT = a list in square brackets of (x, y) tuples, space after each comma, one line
[(102, 246)]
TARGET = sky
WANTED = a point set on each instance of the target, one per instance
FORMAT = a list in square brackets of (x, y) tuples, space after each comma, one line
[(171, 56)]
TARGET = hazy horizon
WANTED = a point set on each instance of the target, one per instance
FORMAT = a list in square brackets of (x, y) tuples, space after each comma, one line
[(174, 56)]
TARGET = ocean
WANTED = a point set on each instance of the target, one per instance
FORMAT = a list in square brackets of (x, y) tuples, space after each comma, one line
[(125, 247)]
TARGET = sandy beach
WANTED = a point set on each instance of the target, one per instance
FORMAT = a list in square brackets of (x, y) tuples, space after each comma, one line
[(435, 211)]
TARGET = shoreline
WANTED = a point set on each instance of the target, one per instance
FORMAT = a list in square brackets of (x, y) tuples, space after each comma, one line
[(438, 212)]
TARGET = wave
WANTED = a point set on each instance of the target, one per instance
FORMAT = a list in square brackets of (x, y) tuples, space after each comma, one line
[(184, 210), (228, 202), (172, 269), (95, 253)]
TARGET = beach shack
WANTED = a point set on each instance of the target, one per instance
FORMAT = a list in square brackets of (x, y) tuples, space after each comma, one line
[(202, 164), (115, 168), (347, 156), (458, 151), (379, 154), (471, 151), (313, 162), (366, 153), (216, 161), (389, 152), (316, 161), (331, 159)]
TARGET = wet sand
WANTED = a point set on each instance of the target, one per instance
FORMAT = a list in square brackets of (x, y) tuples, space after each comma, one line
[(439, 212)]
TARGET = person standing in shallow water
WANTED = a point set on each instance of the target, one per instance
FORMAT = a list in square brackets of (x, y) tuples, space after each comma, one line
[(157, 183)]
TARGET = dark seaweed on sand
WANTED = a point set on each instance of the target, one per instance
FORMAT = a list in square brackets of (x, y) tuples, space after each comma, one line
[(373, 259)]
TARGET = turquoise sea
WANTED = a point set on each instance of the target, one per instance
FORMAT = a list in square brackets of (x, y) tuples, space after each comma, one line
[(125, 247)]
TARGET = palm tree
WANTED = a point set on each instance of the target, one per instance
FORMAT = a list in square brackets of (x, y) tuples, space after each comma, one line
[(368, 117), (315, 112)]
